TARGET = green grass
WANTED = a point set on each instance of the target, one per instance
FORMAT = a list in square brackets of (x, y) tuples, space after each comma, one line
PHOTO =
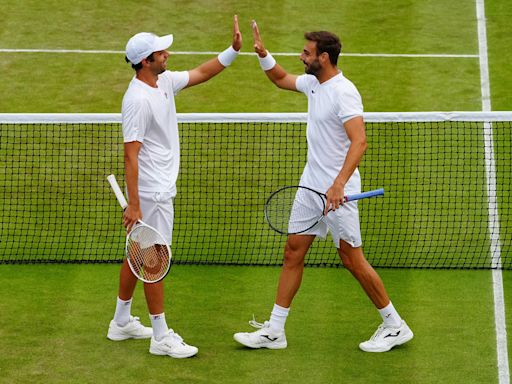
[(499, 32), (54, 318), (507, 288), (62, 339), (435, 27), (422, 85), (96, 83)]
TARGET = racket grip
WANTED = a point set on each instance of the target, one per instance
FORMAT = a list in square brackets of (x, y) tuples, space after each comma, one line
[(364, 195), (117, 190)]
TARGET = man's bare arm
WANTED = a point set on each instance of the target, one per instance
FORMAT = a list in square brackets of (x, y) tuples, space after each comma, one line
[(276, 74)]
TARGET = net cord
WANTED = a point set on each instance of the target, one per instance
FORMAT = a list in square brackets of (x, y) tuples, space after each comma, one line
[(108, 118)]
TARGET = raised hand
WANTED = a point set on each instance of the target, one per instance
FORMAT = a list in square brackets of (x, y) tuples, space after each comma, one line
[(259, 48), (237, 35)]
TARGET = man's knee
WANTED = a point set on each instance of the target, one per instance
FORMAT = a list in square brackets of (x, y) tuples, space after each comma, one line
[(352, 259), (293, 256), (295, 250)]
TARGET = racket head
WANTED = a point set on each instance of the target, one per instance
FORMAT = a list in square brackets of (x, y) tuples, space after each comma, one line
[(148, 254), (294, 209)]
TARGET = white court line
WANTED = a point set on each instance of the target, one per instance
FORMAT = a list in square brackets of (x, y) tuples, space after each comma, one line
[(432, 55), (493, 224)]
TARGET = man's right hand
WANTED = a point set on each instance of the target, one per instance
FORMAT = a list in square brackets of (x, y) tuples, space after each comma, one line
[(131, 215), (259, 48)]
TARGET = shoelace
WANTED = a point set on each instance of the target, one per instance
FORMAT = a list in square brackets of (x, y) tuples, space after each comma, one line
[(377, 332), (253, 323), (175, 336)]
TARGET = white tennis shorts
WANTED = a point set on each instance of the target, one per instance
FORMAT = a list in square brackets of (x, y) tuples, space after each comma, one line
[(342, 223), (158, 211)]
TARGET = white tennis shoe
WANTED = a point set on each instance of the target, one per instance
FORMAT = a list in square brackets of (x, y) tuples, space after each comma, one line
[(172, 345), (132, 330), (387, 337), (264, 337)]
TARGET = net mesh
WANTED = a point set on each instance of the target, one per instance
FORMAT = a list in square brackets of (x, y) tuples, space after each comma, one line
[(447, 201)]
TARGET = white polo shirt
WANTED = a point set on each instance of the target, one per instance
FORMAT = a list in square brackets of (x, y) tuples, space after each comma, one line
[(330, 105), (149, 117)]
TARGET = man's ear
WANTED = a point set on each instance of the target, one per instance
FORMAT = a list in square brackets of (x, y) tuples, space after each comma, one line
[(145, 62), (324, 58)]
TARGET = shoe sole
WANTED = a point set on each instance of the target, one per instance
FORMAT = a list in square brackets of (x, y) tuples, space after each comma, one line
[(403, 340), (115, 335), (173, 355), (259, 346), (121, 338)]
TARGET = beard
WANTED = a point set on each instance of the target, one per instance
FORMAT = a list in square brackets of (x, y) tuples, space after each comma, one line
[(313, 68), (162, 68)]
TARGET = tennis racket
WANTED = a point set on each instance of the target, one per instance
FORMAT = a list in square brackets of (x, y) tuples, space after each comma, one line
[(302, 204), (147, 252)]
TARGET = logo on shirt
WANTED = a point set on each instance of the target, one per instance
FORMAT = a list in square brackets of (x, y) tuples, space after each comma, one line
[(165, 93)]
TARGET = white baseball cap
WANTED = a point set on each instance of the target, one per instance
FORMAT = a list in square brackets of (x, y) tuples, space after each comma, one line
[(144, 44)]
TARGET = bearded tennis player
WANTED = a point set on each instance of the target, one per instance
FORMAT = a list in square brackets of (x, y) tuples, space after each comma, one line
[(336, 144)]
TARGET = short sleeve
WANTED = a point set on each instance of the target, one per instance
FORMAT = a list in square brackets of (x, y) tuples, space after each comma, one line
[(178, 80), (136, 117), (349, 103), (305, 83)]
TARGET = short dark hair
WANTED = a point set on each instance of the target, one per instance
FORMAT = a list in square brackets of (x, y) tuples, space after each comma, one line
[(139, 65), (326, 42)]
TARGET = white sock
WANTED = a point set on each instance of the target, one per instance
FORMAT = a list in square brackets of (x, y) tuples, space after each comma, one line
[(278, 317), (390, 315), (159, 325), (122, 314)]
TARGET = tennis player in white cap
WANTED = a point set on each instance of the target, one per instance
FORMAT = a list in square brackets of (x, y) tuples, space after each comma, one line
[(152, 158)]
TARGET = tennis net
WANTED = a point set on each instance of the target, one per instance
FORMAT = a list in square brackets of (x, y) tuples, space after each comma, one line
[(446, 177)]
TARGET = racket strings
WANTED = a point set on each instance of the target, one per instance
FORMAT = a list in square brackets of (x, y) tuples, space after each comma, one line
[(148, 257), (294, 210), (279, 208)]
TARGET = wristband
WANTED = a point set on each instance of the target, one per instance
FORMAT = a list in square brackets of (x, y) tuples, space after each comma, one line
[(227, 56), (267, 62)]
